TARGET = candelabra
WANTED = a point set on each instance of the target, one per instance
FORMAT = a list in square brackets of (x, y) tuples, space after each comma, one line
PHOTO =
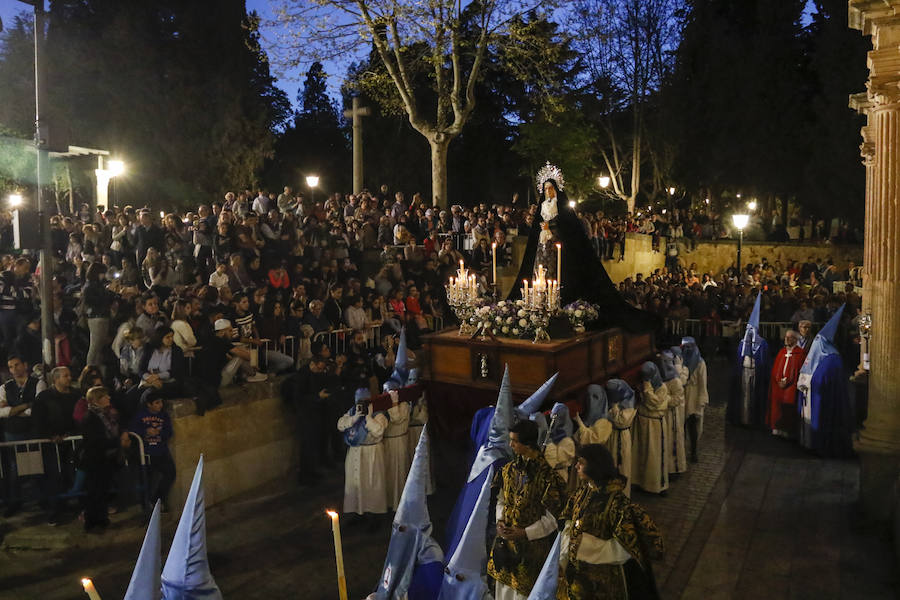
[(541, 302), (462, 295)]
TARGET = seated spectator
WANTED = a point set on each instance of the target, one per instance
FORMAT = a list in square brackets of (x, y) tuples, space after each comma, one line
[(151, 317), (314, 317), (219, 278), (131, 357), (163, 366), (181, 326), (221, 355)]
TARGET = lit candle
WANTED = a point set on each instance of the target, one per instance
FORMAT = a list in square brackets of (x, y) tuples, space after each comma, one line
[(559, 262), (162, 214), (89, 589), (494, 261), (338, 554)]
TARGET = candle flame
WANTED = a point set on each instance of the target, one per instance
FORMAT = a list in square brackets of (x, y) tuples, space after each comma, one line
[(331, 514), (559, 245), (85, 582)]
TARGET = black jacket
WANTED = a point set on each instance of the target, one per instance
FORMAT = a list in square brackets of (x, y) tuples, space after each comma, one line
[(179, 363)]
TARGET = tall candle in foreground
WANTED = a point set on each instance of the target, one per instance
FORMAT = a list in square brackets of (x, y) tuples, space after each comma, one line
[(559, 262), (89, 589), (338, 554)]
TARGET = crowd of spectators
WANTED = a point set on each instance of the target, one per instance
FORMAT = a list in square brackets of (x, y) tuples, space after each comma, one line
[(136, 293)]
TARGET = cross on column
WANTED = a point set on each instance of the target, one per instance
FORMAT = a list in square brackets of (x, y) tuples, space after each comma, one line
[(356, 113)]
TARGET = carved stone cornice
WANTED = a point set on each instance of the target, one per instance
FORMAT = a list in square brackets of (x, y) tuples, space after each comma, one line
[(865, 15)]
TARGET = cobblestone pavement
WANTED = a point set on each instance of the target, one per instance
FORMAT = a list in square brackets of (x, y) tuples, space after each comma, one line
[(756, 518)]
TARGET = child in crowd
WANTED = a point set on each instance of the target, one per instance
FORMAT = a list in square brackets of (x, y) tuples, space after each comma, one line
[(154, 426)]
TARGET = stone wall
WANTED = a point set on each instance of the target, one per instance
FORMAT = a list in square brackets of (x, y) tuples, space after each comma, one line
[(714, 257), (246, 442)]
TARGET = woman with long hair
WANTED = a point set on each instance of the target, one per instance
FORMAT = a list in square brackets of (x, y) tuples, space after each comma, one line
[(608, 541), (97, 300), (181, 325)]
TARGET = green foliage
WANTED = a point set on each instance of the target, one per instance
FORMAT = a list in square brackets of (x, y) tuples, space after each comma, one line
[(181, 93), (569, 141)]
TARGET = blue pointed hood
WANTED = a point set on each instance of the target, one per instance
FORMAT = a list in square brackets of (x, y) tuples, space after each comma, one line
[(186, 575), (560, 423), (401, 361), (411, 544), (463, 575), (823, 343), (534, 402), (497, 446), (750, 344), (691, 353), (619, 392), (145, 581), (669, 370), (548, 579), (650, 372), (413, 508), (597, 404)]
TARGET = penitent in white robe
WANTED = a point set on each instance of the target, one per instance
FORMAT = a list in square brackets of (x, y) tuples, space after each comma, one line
[(418, 417), (620, 440), (696, 396), (674, 423), (650, 460), (364, 490), (560, 456), (396, 452)]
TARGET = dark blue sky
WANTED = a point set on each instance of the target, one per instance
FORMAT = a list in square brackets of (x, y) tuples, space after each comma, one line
[(291, 80)]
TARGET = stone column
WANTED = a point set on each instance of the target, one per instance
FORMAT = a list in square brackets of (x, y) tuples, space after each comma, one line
[(879, 444), (355, 114)]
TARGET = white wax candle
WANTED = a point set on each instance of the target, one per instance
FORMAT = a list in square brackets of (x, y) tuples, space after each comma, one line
[(338, 554), (89, 589), (559, 262), (494, 261)]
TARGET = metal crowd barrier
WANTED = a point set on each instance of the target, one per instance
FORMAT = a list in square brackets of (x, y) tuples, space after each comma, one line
[(30, 459), (702, 329)]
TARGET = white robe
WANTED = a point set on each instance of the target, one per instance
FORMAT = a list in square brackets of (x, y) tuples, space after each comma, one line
[(696, 396), (620, 440), (364, 489), (396, 453), (650, 461), (674, 423), (418, 417), (560, 456)]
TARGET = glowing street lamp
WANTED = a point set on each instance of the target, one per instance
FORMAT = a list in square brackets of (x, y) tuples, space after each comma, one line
[(752, 205), (312, 181), (116, 167), (603, 181), (740, 221), (572, 204), (15, 200)]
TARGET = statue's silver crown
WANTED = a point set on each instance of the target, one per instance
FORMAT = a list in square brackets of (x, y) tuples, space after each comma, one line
[(549, 171)]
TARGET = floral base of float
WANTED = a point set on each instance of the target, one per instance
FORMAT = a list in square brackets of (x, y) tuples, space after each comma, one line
[(520, 320)]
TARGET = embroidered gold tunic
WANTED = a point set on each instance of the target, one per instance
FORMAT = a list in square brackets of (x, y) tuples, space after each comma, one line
[(602, 525), (528, 489)]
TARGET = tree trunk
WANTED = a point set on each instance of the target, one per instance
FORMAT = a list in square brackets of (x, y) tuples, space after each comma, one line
[(439, 144), (635, 167)]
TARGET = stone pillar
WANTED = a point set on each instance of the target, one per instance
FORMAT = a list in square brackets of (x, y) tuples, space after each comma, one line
[(355, 114), (879, 444)]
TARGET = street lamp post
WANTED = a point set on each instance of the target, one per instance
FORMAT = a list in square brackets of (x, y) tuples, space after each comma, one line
[(740, 221), (312, 181), (40, 139)]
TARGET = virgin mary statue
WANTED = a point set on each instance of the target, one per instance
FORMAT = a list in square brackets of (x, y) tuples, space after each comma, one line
[(583, 276)]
